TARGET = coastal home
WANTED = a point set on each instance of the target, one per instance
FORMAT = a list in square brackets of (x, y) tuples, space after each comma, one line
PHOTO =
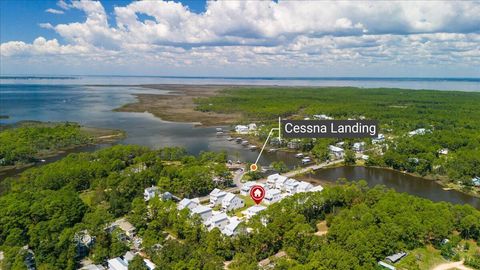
[(231, 202), (359, 147), (219, 220), (149, 193), (272, 196), (337, 152), (187, 203), (322, 117), (216, 196), (304, 186), (232, 228), (245, 190), (117, 264), (203, 211), (379, 139), (476, 181), (395, 257), (124, 225), (291, 186), (276, 181), (316, 188), (420, 131), (253, 210), (241, 129)]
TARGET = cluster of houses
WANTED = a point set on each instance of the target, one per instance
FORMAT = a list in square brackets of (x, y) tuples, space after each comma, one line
[(245, 129), (121, 263)]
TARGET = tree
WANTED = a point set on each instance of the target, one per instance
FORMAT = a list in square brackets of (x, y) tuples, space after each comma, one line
[(137, 263), (279, 166), (349, 157)]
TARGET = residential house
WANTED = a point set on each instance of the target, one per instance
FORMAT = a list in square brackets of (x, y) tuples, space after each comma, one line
[(272, 196), (232, 228), (359, 147), (276, 181), (245, 190), (304, 186), (149, 193), (117, 264), (290, 186), (231, 202), (395, 257), (253, 210), (420, 131), (337, 152), (216, 196), (322, 117), (187, 203), (476, 181), (125, 226), (379, 139), (219, 220), (203, 211), (241, 129)]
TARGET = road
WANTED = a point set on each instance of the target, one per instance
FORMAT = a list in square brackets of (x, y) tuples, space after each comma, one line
[(312, 167), (451, 266)]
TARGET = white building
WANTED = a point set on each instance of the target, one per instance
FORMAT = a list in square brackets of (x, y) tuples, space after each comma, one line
[(276, 181), (245, 190), (216, 196), (232, 228), (420, 131), (379, 139), (150, 193), (187, 203), (359, 147), (241, 129), (290, 186), (253, 210), (219, 220), (336, 151), (117, 264), (272, 196), (304, 186), (322, 117), (316, 188), (231, 202), (203, 211)]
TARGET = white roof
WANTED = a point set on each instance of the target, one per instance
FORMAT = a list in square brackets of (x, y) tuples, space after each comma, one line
[(117, 264), (317, 188), (291, 182), (218, 217), (304, 184), (201, 209), (128, 256), (256, 208), (184, 203), (230, 196), (272, 192), (151, 189), (248, 185), (217, 192), (335, 149), (230, 228), (150, 264)]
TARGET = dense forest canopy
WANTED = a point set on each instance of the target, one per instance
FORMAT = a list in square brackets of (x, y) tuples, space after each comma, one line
[(451, 116), (27, 141), (47, 206)]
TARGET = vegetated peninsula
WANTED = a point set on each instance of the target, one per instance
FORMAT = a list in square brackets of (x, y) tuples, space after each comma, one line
[(28, 142), (96, 207)]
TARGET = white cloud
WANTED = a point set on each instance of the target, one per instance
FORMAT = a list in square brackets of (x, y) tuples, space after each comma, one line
[(54, 11), (287, 33)]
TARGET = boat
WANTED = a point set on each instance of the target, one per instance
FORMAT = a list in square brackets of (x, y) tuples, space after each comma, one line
[(238, 140), (299, 155), (229, 139), (219, 129), (252, 147), (271, 150), (244, 142), (306, 160), (219, 132)]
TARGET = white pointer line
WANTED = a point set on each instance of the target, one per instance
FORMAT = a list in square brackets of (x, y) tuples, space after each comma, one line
[(268, 137)]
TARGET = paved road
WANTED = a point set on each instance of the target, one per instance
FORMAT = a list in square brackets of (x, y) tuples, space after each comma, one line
[(312, 167)]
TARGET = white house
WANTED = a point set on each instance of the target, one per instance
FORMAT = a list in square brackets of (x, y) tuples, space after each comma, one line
[(276, 181), (241, 129), (322, 117), (245, 190), (232, 228), (359, 146), (117, 264), (272, 196), (187, 203), (203, 211), (219, 220), (290, 186), (336, 151), (149, 193), (420, 131), (316, 188), (231, 202), (216, 196), (304, 186), (379, 139), (253, 210)]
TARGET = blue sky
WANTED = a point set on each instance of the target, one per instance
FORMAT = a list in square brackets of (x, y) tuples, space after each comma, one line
[(241, 38)]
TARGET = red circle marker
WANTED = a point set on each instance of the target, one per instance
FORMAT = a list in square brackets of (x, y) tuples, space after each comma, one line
[(257, 193), (253, 167)]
